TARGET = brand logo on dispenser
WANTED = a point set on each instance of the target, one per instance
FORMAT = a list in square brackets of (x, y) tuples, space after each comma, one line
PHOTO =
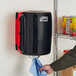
[(44, 19)]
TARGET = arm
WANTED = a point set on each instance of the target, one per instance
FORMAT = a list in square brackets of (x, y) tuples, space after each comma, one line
[(66, 61)]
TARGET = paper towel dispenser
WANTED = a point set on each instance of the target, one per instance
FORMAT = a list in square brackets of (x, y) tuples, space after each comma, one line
[(33, 32)]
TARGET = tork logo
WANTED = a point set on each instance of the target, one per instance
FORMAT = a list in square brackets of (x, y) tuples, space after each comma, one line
[(44, 19)]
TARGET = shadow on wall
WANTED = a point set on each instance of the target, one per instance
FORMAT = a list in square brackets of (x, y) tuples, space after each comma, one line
[(17, 58)]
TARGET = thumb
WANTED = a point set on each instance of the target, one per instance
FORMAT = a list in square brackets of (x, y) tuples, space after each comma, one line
[(41, 69)]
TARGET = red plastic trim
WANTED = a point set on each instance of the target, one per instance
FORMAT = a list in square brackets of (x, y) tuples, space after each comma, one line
[(18, 31), (66, 51)]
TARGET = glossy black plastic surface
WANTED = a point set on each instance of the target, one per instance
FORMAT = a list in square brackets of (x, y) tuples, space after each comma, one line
[(36, 33)]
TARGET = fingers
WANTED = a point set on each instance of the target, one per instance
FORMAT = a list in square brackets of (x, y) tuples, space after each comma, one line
[(47, 68), (41, 69), (48, 72)]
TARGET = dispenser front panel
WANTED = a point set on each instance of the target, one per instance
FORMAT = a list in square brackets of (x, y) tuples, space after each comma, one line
[(35, 32)]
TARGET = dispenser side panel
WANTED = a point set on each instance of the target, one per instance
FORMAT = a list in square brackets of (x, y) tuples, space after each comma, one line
[(18, 14)]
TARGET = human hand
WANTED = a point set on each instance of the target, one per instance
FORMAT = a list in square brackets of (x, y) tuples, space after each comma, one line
[(47, 68)]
